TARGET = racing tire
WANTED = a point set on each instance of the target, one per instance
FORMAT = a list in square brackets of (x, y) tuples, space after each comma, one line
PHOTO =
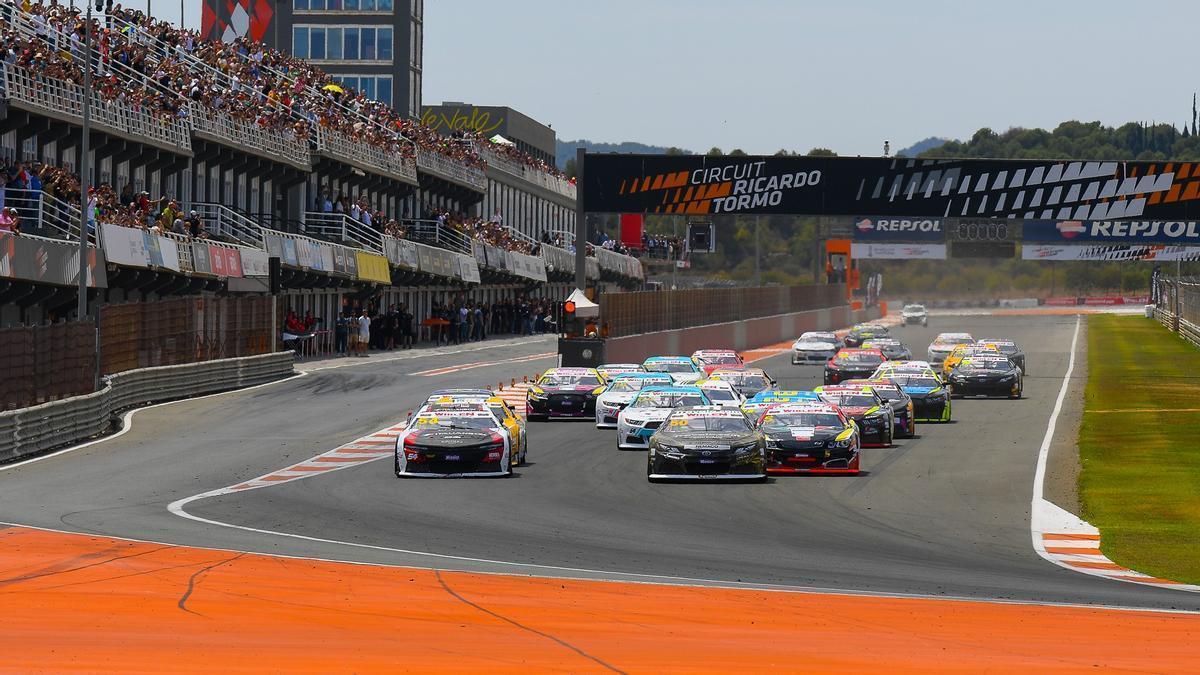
[(537, 418), (1017, 396)]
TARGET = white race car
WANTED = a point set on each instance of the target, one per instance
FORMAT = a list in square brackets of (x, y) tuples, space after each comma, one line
[(721, 393), (945, 343), (459, 441), (914, 314), (620, 391), (815, 347), (641, 418)]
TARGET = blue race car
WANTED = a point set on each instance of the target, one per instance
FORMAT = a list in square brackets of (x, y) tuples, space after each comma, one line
[(681, 368), (755, 405), (642, 417)]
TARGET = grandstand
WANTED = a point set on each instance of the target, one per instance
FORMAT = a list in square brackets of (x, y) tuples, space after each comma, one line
[(211, 158)]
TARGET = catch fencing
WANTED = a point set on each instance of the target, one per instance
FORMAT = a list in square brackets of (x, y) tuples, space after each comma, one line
[(46, 363), (1177, 306), (652, 311)]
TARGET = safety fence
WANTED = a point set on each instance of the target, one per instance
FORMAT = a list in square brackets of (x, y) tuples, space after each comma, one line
[(39, 364), (651, 311), (39, 428), (1177, 306)]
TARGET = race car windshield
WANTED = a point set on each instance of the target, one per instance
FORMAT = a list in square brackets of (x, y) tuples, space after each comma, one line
[(670, 367), (915, 381), (886, 393), (744, 379), (629, 384), (570, 381), (665, 400), (444, 422), (726, 424), (718, 359), (989, 365), (808, 419), (915, 308), (1003, 348), (858, 359), (720, 395), (850, 399)]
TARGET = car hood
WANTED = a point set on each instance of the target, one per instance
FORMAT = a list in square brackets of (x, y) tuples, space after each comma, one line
[(804, 433), (450, 438), (569, 389), (617, 398), (646, 413), (706, 440), (919, 391)]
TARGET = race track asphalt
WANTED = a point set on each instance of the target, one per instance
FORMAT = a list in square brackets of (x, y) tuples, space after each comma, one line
[(946, 513)]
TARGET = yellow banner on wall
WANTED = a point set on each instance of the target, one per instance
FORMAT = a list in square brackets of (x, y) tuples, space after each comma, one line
[(373, 267)]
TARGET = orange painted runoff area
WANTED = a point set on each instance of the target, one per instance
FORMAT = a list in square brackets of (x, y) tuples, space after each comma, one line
[(83, 603)]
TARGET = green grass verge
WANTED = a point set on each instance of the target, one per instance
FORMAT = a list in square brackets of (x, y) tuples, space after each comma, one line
[(1140, 481)]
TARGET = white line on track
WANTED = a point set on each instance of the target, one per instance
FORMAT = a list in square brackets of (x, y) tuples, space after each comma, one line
[(1060, 536)]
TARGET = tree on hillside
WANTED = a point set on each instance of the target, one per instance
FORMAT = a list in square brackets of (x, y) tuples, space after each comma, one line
[(821, 152), (737, 152), (676, 151), (714, 151)]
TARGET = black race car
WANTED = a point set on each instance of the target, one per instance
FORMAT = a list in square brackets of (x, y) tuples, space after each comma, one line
[(706, 442), (902, 405), (986, 376), (861, 404), (564, 392), (930, 398), (453, 443), (1008, 348), (852, 364), (863, 332), (892, 348), (809, 438)]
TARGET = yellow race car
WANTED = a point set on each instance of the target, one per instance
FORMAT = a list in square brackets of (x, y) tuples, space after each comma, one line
[(961, 352)]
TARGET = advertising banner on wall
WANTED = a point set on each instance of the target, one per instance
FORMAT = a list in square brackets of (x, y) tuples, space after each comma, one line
[(891, 186), (876, 228), (1115, 231), (898, 251), (255, 263), (138, 248), (468, 269), (48, 261), (372, 267), (1110, 252), (226, 261)]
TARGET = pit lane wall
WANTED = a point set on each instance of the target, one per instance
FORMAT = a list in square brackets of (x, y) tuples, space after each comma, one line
[(739, 335), (28, 431)]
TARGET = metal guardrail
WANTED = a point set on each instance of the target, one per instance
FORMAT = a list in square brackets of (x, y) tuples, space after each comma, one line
[(449, 169), (383, 161), (248, 136), (226, 222), (64, 100), (47, 426), (439, 234), (1177, 307), (529, 174), (343, 228)]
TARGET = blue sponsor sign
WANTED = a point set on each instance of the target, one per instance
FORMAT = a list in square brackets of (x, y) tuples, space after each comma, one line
[(1113, 231), (886, 228)]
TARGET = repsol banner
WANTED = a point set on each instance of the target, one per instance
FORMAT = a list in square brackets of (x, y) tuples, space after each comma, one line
[(877, 228), (892, 187), (1178, 232)]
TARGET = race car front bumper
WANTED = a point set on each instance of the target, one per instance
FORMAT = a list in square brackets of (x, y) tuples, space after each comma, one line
[(874, 432), (636, 437), (931, 408), (803, 356), (470, 462), (811, 460), (606, 415), (561, 405), (720, 465), (1006, 388)]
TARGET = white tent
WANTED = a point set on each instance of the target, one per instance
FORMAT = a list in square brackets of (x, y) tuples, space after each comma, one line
[(500, 140), (584, 308)]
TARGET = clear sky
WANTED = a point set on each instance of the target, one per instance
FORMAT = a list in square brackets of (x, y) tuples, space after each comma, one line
[(769, 74)]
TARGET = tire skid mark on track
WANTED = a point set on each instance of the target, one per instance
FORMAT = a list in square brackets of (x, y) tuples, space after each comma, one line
[(1060, 536), (483, 364)]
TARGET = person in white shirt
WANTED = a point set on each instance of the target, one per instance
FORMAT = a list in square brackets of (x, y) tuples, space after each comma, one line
[(364, 333)]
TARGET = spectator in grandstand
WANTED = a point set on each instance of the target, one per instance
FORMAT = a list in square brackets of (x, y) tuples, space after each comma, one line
[(10, 220)]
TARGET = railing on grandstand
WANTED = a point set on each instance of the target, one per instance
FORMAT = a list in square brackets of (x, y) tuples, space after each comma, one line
[(344, 229), (445, 167), (226, 222), (59, 98), (360, 153), (49, 215), (250, 136), (439, 234), (529, 174)]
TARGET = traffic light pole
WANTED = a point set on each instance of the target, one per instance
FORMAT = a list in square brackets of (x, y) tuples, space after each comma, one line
[(580, 224)]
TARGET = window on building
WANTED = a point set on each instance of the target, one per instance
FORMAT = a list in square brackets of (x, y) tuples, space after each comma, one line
[(349, 43), (378, 87), (300, 42), (350, 40), (316, 44), (384, 40), (333, 38), (367, 44)]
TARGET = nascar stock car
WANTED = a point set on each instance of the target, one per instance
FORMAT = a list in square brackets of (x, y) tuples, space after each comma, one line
[(747, 381), (513, 425), (706, 442), (755, 405), (902, 405), (913, 315), (945, 343), (709, 360), (620, 391), (681, 368), (863, 405), (608, 370), (1008, 348), (721, 393), (814, 347), (863, 332), (893, 349), (642, 417), (961, 352), (850, 364), (564, 392), (930, 397), (986, 375), (453, 441), (810, 437)]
